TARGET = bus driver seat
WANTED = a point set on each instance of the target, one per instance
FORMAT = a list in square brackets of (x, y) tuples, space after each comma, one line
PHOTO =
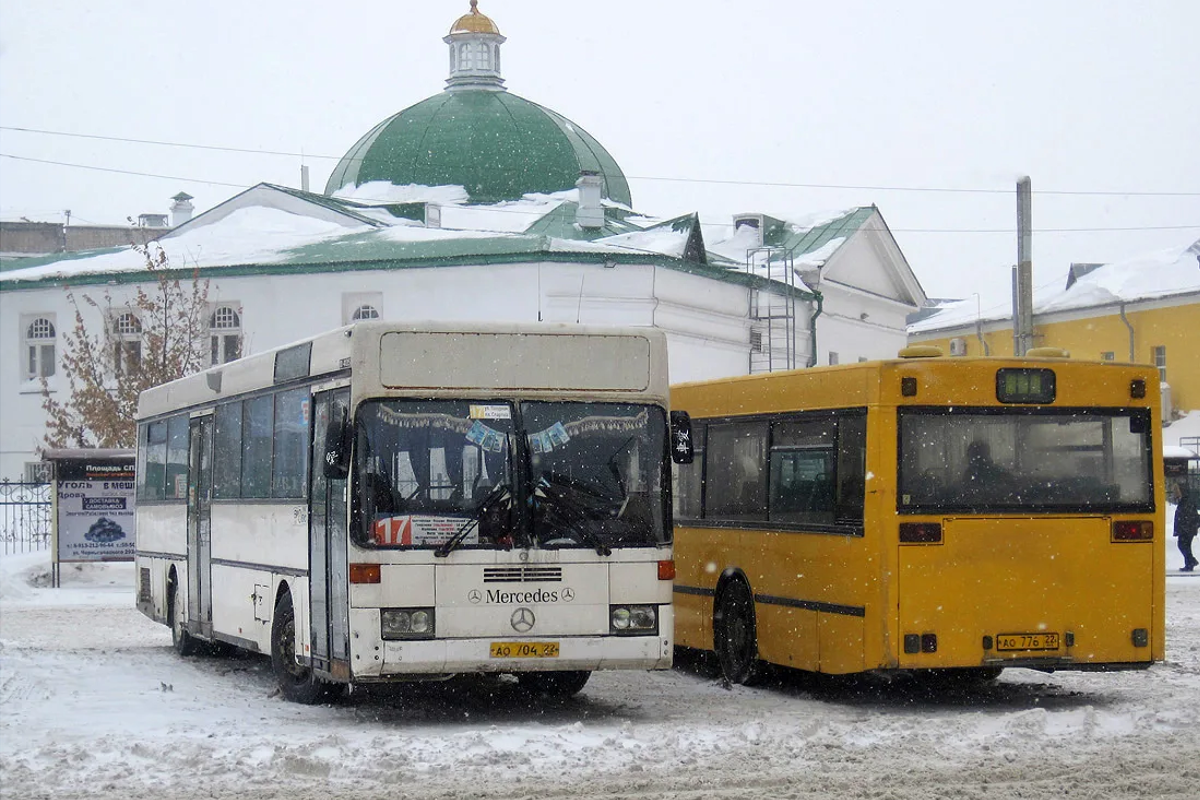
[(383, 500)]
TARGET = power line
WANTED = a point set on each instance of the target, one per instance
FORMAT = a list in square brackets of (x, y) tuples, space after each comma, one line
[(539, 213), (165, 144), (123, 171), (714, 181)]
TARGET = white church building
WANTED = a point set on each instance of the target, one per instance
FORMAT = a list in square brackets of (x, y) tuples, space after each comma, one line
[(476, 204)]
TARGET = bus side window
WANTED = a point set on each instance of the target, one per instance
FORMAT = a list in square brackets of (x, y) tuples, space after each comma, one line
[(156, 460), (735, 470), (258, 427), (227, 457), (851, 468), (177, 457), (802, 469)]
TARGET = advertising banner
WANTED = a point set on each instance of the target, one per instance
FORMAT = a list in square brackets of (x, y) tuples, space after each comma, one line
[(96, 511)]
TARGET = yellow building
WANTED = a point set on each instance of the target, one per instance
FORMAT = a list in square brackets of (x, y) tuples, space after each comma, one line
[(1144, 310)]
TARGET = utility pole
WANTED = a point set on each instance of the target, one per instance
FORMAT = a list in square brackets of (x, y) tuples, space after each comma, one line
[(1023, 288)]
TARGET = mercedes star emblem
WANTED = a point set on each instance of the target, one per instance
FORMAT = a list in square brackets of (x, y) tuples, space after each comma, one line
[(474, 596), (568, 594), (522, 620)]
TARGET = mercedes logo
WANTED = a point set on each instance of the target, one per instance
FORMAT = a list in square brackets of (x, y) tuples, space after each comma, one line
[(474, 596), (568, 594), (522, 620)]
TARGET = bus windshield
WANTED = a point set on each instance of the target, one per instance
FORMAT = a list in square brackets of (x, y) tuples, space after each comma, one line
[(445, 474), (1060, 460), (597, 472)]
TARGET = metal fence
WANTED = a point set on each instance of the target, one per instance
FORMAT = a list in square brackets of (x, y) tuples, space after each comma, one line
[(24, 517)]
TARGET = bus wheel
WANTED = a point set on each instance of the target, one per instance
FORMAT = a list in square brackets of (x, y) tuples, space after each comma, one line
[(735, 636), (297, 682), (184, 644), (553, 684)]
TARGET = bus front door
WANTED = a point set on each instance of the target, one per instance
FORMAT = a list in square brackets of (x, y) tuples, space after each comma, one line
[(199, 516), (329, 581)]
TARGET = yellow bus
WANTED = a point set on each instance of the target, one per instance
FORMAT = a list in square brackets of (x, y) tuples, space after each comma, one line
[(949, 515)]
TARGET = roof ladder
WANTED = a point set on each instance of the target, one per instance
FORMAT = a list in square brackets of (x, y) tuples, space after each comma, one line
[(772, 313)]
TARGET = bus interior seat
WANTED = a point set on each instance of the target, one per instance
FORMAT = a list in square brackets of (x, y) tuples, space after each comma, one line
[(382, 496)]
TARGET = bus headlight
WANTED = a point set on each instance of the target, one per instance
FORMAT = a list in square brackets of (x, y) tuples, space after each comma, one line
[(406, 623), (633, 620)]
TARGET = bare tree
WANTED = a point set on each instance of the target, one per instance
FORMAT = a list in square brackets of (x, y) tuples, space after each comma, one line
[(159, 336)]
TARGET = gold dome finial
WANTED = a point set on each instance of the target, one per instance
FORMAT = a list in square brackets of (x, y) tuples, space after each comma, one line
[(474, 22)]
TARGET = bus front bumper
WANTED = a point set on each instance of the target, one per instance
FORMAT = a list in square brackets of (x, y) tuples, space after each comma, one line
[(383, 659)]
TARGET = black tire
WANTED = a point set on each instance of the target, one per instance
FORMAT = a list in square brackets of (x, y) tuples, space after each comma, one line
[(554, 684), (297, 682), (184, 643), (735, 635)]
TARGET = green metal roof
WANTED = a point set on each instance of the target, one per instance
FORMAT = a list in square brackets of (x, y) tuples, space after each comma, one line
[(800, 242), (368, 251), (496, 145), (559, 222)]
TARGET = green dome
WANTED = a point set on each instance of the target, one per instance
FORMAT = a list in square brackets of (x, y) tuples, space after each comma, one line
[(496, 145)]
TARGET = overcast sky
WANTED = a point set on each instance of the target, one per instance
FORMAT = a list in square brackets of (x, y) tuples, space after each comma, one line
[(703, 103)]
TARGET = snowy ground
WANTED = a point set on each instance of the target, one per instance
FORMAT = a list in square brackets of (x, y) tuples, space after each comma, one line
[(94, 703)]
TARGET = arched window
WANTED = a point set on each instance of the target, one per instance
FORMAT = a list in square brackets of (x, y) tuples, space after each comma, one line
[(225, 335), (365, 311), (127, 343), (128, 324), (39, 348)]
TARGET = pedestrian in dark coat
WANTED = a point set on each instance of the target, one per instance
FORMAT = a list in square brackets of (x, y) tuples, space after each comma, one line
[(1187, 521)]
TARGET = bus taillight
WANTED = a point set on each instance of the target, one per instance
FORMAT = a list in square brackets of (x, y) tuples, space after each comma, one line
[(666, 570), (920, 533), (1133, 531), (364, 573)]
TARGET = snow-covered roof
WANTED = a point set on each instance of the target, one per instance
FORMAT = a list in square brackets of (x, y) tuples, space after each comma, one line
[(1162, 273), (271, 225), (1173, 270)]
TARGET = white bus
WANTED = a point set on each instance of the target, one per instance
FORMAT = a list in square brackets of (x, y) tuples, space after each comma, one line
[(393, 502)]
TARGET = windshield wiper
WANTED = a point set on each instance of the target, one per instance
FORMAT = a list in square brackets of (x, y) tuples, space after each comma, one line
[(498, 495), (454, 541)]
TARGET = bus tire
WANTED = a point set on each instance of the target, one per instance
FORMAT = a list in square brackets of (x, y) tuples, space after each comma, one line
[(182, 641), (735, 636), (297, 682), (554, 684)]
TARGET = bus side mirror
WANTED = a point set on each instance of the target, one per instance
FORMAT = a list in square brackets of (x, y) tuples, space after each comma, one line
[(337, 446), (682, 449)]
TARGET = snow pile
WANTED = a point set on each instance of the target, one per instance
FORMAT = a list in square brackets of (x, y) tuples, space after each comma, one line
[(660, 240), (385, 192)]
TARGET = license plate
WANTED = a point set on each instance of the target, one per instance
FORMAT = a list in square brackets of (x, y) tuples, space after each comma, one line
[(524, 650), (1026, 641)]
